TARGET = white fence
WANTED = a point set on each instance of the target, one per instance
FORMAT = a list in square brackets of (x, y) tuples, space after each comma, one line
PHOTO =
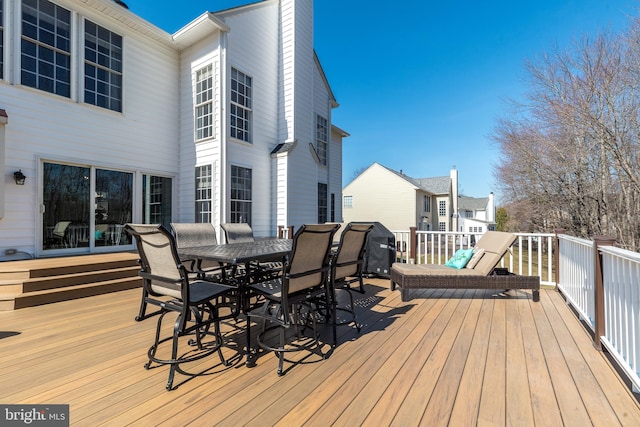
[(532, 255), (577, 276), (621, 274), (604, 290)]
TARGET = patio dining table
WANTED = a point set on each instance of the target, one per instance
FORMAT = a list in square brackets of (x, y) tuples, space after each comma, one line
[(240, 253), (244, 253)]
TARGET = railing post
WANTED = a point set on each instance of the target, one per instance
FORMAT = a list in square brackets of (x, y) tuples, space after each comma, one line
[(599, 326), (413, 244), (280, 231), (556, 254)]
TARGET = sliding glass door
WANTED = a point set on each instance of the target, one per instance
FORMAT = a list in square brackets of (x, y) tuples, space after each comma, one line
[(85, 207)]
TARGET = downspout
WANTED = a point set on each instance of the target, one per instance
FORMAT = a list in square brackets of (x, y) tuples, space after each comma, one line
[(222, 208)]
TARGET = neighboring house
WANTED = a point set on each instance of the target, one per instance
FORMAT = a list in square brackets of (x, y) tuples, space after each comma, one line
[(113, 120), (400, 202), (476, 215)]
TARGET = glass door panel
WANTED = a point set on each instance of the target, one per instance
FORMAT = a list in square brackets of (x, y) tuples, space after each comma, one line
[(113, 207), (156, 206), (66, 191)]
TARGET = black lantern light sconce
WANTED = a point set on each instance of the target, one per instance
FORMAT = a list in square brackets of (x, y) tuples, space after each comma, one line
[(19, 177)]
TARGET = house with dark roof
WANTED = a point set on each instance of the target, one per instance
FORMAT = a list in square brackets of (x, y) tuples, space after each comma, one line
[(399, 201), (476, 214)]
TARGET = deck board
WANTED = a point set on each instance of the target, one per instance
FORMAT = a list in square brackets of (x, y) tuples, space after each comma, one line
[(444, 358)]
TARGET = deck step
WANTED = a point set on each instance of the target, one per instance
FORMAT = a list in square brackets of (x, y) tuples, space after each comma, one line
[(44, 281)]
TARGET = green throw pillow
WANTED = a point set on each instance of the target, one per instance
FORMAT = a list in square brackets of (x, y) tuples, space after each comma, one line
[(460, 258)]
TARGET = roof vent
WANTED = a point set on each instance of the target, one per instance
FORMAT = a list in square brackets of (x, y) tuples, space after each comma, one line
[(121, 3)]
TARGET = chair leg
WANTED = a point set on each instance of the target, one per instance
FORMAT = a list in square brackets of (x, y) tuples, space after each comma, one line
[(281, 353), (248, 362), (174, 352)]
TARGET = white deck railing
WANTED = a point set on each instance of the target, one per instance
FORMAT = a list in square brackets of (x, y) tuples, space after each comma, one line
[(621, 280), (577, 276)]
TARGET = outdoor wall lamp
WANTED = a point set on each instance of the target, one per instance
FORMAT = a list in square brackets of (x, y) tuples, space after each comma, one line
[(19, 177)]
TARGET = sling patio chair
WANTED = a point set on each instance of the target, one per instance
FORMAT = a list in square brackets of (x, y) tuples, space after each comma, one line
[(196, 235), (168, 285), (290, 299), (480, 273), (242, 232), (346, 269)]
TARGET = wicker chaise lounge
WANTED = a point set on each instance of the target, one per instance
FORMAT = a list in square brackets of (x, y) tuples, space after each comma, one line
[(483, 275)]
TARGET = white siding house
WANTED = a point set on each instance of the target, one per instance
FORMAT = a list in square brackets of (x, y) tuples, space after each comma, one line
[(113, 120), (477, 214)]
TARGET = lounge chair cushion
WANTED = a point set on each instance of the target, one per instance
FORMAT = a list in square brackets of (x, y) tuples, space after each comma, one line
[(477, 254), (460, 258)]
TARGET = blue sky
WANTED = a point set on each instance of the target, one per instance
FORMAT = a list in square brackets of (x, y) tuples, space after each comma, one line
[(422, 83)]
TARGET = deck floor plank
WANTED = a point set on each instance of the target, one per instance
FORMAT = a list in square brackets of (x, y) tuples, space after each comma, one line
[(444, 358)]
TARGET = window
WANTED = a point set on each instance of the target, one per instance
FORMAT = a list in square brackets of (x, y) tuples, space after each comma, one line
[(156, 206), (347, 202), (333, 207), (102, 67), (240, 106), (46, 47), (442, 226), (203, 193), (240, 195), (204, 103), (426, 203), (1, 39), (442, 208), (322, 203), (468, 214), (322, 139)]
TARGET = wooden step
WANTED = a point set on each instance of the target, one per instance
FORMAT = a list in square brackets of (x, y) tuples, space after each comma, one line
[(49, 296), (44, 281)]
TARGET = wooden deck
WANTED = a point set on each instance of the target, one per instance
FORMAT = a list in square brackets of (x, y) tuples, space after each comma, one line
[(457, 358)]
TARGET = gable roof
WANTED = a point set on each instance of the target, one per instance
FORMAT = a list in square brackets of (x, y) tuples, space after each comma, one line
[(472, 203), (434, 185)]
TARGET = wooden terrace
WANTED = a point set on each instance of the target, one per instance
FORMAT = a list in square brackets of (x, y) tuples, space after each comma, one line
[(457, 358)]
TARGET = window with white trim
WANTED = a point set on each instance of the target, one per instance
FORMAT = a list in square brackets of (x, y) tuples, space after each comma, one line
[(347, 202), (442, 226), (322, 138), (322, 203), (241, 106), (46, 47), (426, 202), (102, 67), (240, 195), (442, 208), (204, 102), (204, 192)]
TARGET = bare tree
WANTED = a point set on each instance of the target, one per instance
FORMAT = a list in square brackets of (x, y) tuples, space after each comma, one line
[(571, 151)]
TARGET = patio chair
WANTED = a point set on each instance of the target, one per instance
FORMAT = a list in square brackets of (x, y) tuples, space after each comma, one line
[(195, 235), (59, 235), (242, 232), (346, 268), (167, 285), (237, 232), (290, 298), (483, 274)]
